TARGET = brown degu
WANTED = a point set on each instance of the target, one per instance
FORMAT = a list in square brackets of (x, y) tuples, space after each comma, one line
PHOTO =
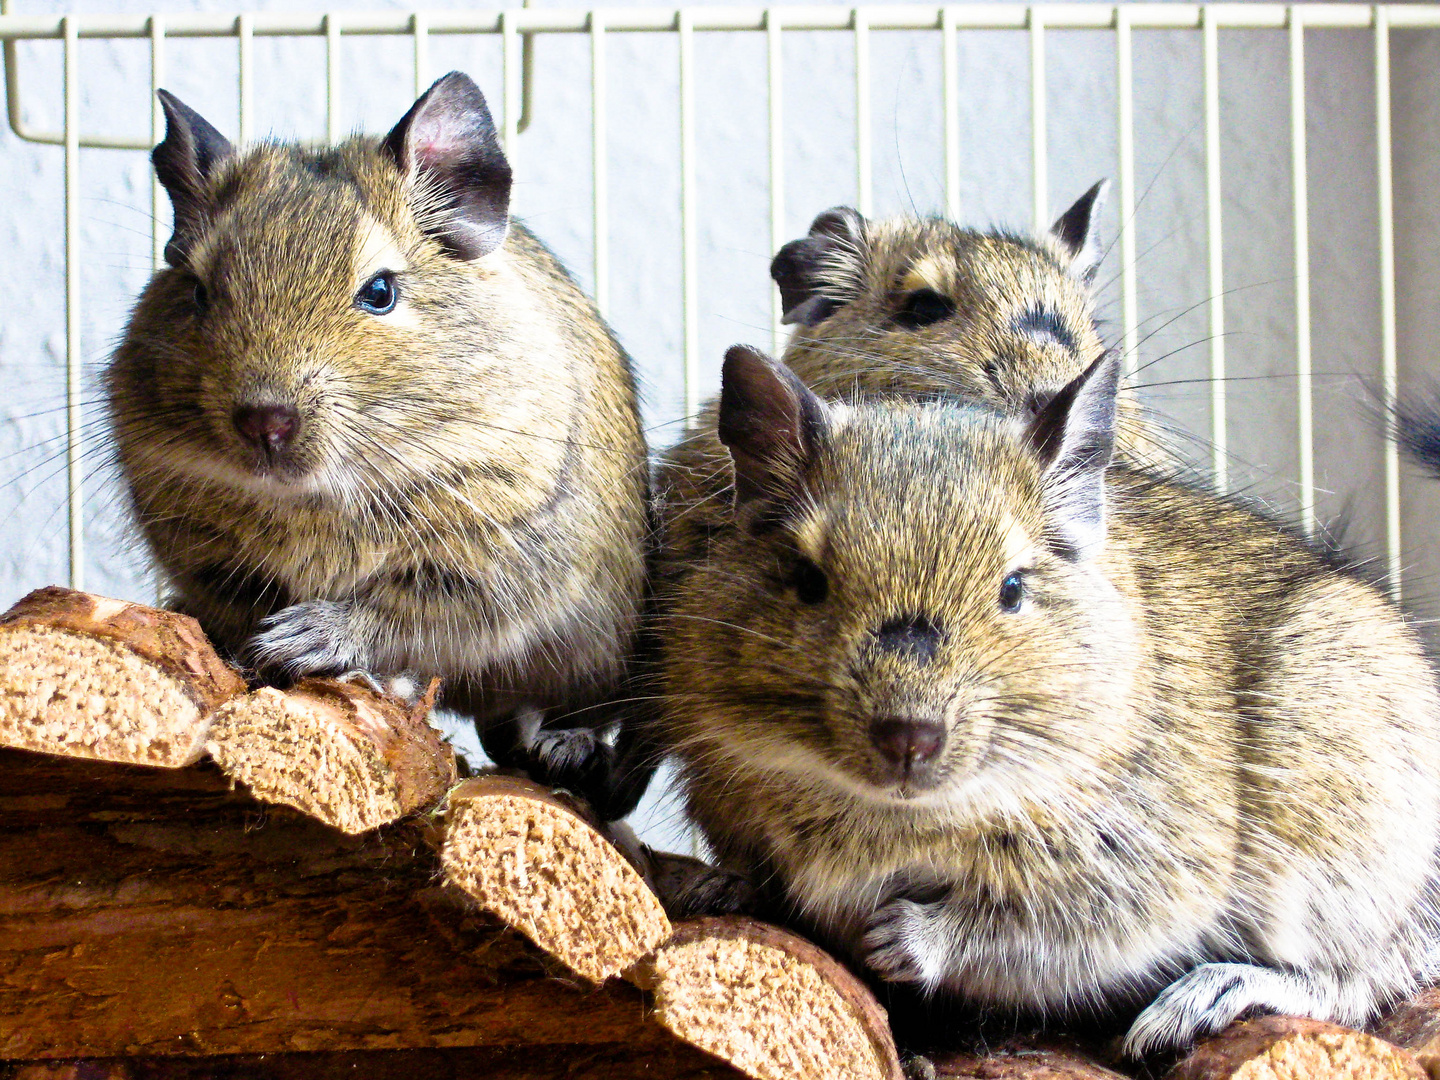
[(919, 307), (369, 423), (1017, 724)]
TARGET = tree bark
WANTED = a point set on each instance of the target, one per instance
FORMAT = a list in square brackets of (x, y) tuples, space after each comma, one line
[(1293, 1048)]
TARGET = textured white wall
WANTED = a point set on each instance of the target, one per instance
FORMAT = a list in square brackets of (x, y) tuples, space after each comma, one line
[(552, 194)]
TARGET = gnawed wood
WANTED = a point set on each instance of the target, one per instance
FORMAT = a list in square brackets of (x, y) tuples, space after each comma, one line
[(1293, 1048), (337, 750), (87, 676), (534, 859), (769, 1002)]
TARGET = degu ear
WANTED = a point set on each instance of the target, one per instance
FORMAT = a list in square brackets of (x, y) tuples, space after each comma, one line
[(184, 161), (771, 423), (800, 267), (1076, 233), (447, 146), (1074, 438)]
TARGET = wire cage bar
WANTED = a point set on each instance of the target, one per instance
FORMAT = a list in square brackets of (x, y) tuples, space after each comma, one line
[(516, 25)]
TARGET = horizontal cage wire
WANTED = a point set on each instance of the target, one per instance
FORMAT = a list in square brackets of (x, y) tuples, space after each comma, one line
[(517, 29)]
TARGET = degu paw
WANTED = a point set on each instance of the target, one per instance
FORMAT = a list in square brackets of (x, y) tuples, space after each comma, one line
[(312, 638), (570, 758), (901, 943), (689, 888), (1209, 998)]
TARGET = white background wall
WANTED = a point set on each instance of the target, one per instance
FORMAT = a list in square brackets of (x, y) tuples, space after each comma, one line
[(552, 194)]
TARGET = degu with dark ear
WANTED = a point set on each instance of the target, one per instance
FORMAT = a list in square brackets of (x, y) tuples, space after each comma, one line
[(1023, 727), (915, 307), (368, 422)]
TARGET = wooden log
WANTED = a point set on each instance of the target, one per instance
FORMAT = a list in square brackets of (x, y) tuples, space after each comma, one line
[(1049, 1060), (1415, 1026), (1294, 1048), (769, 1002), (535, 859), (339, 751), (88, 676), (674, 1061), (155, 913)]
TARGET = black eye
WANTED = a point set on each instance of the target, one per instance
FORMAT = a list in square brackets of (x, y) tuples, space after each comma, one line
[(378, 295), (811, 584), (1012, 592), (923, 307), (201, 297)]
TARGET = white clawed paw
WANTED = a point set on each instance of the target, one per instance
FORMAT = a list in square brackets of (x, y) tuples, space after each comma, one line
[(313, 638), (1207, 999), (900, 943), (565, 757)]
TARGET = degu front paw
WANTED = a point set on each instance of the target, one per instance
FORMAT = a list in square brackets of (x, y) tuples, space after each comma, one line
[(313, 638), (903, 942)]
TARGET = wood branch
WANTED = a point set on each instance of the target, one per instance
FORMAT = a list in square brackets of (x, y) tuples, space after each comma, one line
[(1415, 1026), (149, 913), (1048, 1060), (1293, 1048), (339, 751), (88, 676), (769, 1002), (537, 861), (674, 1061)]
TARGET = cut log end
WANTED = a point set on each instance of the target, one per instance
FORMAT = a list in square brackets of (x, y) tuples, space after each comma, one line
[(533, 860), (337, 751), (770, 1003), (1293, 1048), (67, 693)]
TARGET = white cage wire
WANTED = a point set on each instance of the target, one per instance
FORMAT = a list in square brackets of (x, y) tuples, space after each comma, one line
[(517, 28)]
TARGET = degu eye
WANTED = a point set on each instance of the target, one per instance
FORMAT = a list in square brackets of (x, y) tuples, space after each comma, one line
[(923, 307), (201, 297), (378, 295), (811, 584), (1012, 592)]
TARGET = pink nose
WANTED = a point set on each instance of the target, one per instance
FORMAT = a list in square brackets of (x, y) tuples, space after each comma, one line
[(908, 743), (267, 427)]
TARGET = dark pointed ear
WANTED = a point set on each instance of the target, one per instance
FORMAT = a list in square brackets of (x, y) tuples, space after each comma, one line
[(799, 268), (447, 144), (1074, 438), (183, 162), (771, 423), (1076, 233)]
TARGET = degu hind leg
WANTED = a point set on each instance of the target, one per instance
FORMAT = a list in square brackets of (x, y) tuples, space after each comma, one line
[(1209, 997)]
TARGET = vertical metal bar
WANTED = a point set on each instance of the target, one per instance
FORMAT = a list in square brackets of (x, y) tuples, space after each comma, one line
[(420, 39), (860, 20), (776, 77), (1220, 462), (1125, 93), (1389, 367), (1298, 167), (73, 445), (245, 35), (1041, 169), (157, 132), (949, 72), (332, 78), (514, 67), (600, 164), (689, 239)]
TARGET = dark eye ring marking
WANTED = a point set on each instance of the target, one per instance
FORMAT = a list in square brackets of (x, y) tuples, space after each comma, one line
[(923, 307), (378, 295), (1042, 323), (1012, 592), (811, 584)]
